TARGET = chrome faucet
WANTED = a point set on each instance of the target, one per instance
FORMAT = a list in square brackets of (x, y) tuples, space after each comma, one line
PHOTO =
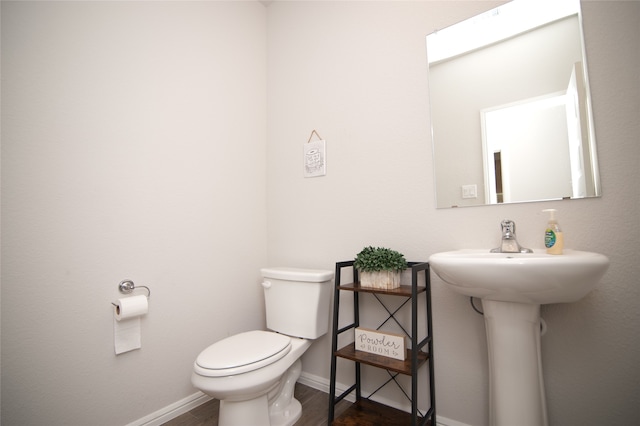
[(509, 242)]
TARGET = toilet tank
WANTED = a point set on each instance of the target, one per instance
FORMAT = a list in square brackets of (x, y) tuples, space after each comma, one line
[(297, 301)]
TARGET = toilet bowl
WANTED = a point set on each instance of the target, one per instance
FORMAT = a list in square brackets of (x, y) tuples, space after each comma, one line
[(254, 373), (250, 388)]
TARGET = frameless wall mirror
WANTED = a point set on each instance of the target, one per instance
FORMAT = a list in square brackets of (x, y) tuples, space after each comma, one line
[(510, 107)]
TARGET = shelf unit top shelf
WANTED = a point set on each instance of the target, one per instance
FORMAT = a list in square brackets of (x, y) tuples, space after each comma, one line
[(403, 290)]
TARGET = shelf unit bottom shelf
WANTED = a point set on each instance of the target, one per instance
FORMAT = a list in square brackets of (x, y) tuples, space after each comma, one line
[(370, 413)]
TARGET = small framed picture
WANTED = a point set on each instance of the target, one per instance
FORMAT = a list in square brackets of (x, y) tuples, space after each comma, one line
[(315, 159)]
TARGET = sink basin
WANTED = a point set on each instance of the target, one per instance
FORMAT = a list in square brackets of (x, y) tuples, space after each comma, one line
[(512, 287), (537, 277)]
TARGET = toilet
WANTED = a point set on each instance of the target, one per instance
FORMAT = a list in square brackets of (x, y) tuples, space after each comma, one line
[(253, 373)]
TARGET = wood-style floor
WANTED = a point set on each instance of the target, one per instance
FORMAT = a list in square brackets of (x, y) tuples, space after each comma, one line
[(315, 408)]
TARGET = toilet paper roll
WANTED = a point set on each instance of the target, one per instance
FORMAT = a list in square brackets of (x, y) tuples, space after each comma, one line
[(131, 307)]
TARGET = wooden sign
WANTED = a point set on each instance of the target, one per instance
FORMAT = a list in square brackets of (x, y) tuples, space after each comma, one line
[(385, 344)]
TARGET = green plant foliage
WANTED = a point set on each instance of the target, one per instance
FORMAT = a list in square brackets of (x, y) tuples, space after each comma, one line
[(379, 259)]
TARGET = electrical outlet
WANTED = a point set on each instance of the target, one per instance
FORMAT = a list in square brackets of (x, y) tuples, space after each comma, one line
[(469, 191)]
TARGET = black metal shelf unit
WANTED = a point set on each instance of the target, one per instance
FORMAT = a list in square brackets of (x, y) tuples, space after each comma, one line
[(365, 410)]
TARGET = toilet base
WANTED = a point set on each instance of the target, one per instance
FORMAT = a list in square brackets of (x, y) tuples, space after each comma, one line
[(276, 408), (242, 413), (287, 417), (285, 410)]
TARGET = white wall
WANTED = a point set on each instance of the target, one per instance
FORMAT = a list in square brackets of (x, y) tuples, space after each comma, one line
[(356, 72), (133, 146)]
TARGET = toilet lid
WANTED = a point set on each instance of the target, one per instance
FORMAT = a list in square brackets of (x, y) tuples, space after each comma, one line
[(242, 353)]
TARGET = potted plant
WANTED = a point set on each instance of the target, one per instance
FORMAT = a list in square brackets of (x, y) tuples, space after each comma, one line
[(380, 267)]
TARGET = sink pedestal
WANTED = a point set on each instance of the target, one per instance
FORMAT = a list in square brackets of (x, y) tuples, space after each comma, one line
[(515, 365)]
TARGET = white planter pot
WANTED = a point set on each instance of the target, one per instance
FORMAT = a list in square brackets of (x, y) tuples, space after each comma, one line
[(380, 279)]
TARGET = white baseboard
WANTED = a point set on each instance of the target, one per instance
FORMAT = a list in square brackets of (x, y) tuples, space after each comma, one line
[(443, 421), (172, 411), (322, 384), (192, 401)]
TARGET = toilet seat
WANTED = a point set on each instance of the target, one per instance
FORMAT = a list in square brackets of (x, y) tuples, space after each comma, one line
[(242, 353)]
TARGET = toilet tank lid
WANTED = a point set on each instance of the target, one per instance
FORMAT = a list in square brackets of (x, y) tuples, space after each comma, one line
[(297, 274)]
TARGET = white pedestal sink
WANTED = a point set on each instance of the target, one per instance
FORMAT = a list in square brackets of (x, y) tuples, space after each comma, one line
[(512, 287)]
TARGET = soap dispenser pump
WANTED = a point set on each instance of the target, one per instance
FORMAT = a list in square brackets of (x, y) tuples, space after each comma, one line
[(553, 238)]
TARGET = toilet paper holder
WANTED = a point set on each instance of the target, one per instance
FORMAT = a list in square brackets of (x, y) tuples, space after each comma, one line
[(127, 286)]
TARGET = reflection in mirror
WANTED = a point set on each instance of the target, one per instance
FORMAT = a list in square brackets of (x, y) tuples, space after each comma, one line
[(510, 107)]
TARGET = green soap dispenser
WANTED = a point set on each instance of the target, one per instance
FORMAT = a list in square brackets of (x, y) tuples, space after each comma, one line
[(553, 238)]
